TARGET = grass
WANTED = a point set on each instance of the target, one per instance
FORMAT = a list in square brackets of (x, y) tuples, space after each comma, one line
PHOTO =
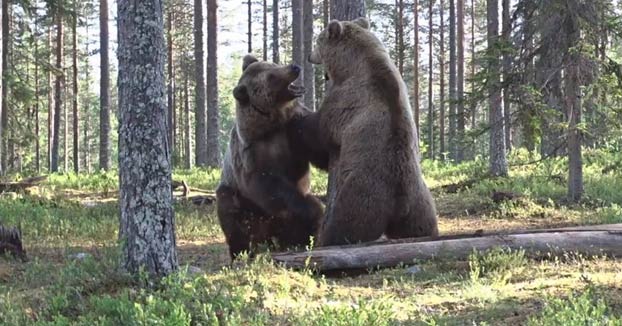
[(70, 232)]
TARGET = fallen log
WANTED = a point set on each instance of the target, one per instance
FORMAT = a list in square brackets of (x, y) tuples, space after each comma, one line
[(592, 242), (21, 185)]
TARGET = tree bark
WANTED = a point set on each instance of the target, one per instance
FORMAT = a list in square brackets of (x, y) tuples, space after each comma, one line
[(37, 120), (309, 68), (213, 120), (50, 103), (187, 143), (58, 90), (347, 9), (507, 66), (200, 114), (400, 35), (441, 61), (416, 65), (76, 116), (452, 81), (473, 104), (104, 89), (298, 37), (498, 162), (371, 255), (573, 105), (250, 26), (430, 81), (265, 30), (4, 113), (460, 81), (171, 83), (147, 218), (275, 31)]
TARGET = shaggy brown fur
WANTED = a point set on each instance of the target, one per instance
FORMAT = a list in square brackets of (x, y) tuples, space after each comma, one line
[(11, 243), (365, 122), (264, 189)]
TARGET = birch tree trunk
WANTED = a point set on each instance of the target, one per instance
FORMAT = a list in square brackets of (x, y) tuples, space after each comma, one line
[(147, 219)]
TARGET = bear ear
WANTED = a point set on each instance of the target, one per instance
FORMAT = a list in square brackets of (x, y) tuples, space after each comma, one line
[(334, 29), (362, 21), (241, 94), (248, 59)]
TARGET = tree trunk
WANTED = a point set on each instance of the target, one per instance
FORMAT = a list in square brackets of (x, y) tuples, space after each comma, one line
[(460, 81), (147, 228), (309, 71), (498, 162), (250, 25), (187, 144), (76, 117), (573, 105), (400, 35), (507, 66), (365, 256), (104, 89), (347, 9), (200, 136), (265, 30), (452, 80), (50, 102), (213, 120), (275, 31), (37, 121), (473, 107), (298, 37), (430, 83), (441, 61), (65, 121), (58, 90), (171, 83), (416, 65), (4, 113)]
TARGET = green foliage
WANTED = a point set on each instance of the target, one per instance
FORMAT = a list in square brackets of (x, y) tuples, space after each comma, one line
[(498, 265), (363, 313), (584, 308)]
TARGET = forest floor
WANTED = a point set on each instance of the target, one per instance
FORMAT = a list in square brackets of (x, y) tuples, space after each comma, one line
[(70, 229)]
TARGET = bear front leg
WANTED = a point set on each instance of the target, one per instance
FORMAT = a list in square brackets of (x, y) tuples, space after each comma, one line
[(307, 141), (297, 213), (231, 218)]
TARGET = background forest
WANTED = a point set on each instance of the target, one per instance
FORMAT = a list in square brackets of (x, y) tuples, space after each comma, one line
[(518, 104)]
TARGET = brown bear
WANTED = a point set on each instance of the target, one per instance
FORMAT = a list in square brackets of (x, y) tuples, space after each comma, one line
[(366, 125), (263, 193)]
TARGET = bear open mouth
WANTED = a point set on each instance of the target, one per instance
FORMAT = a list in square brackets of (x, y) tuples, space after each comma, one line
[(296, 90)]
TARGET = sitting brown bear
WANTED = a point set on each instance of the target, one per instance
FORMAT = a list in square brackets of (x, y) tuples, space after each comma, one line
[(366, 125), (264, 188)]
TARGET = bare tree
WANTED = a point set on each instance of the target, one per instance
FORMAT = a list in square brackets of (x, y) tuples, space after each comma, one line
[(147, 219), (441, 63), (275, 31), (265, 29), (498, 162), (452, 81), (416, 64), (74, 102), (460, 80), (4, 113), (250, 26), (199, 87), (58, 89), (430, 82), (104, 89), (507, 65), (309, 69), (213, 120)]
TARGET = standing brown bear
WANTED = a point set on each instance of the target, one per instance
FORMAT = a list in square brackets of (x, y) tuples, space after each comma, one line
[(264, 188), (365, 123)]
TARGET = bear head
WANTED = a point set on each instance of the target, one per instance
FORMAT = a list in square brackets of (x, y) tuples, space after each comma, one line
[(343, 48)]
